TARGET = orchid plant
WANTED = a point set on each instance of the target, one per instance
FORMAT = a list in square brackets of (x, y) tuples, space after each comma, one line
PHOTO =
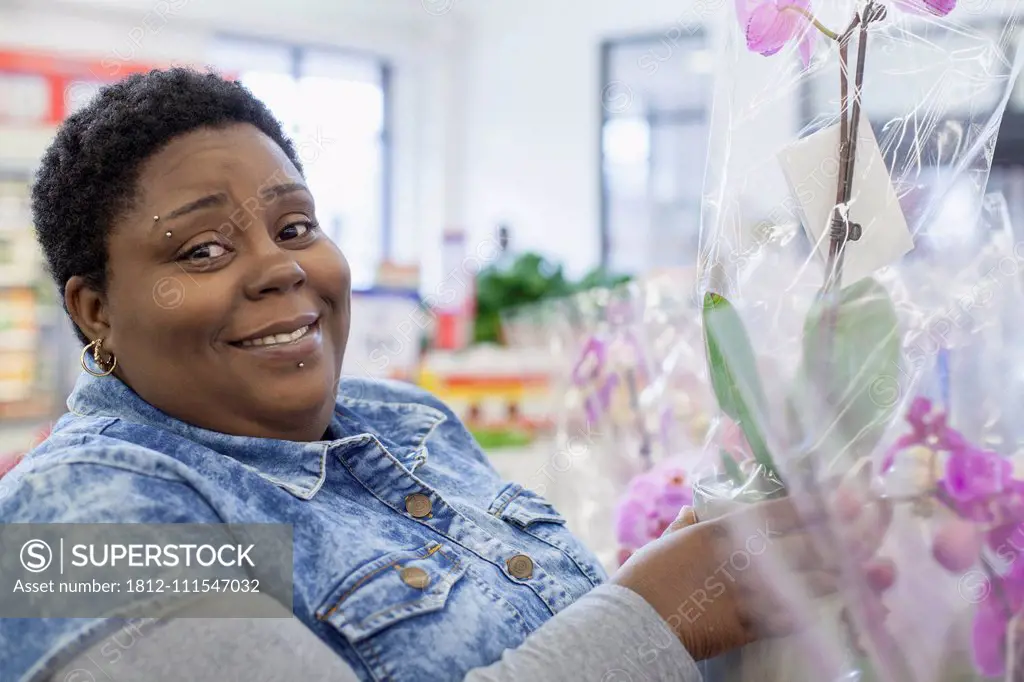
[(851, 343), (850, 336), (770, 25), (977, 486), (986, 499)]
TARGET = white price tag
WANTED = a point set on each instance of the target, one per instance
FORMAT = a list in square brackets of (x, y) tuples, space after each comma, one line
[(811, 167)]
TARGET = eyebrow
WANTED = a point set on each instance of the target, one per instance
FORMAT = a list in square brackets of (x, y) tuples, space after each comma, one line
[(208, 201), (220, 199), (278, 191)]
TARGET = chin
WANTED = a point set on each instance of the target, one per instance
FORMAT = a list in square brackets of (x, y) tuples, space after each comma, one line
[(303, 391)]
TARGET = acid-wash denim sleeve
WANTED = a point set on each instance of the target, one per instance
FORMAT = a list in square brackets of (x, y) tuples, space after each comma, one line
[(90, 484)]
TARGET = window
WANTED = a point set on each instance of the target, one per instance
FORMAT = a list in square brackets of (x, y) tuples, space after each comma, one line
[(334, 105), (656, 92)]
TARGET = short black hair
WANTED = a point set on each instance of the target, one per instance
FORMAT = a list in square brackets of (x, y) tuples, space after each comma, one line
[(88, 176)]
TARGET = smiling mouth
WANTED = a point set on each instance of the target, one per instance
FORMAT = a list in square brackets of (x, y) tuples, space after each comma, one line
[(278, 339)]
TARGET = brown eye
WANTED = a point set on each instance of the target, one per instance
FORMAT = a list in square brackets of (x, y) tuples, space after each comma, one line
[(298, 230), (206, 251)]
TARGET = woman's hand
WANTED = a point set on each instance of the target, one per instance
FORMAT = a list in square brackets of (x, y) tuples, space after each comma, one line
[(711, 581)]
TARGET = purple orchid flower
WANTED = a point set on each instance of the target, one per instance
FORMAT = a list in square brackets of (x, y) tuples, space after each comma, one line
[(769, 25), (1007, 508), (929, 429), (988, 636), (631, 523), (652, 502), (588, 370), (992, 620), (938, 8), (591, 362), (975, 474)]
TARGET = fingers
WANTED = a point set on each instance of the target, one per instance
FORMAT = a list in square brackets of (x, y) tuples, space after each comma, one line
[(778, 516), (687, 517), (802, 553), (776, 611)]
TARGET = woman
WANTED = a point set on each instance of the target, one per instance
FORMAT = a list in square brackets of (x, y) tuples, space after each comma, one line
[(174, 217)]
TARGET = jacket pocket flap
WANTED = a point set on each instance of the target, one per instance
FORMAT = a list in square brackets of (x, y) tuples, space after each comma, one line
[(523, 507), (390, 589)]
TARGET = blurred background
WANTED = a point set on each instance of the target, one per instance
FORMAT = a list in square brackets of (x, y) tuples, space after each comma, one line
[(480, 162)]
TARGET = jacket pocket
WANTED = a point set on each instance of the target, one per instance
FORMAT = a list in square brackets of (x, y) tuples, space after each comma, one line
[(534, 515), (390, 589)]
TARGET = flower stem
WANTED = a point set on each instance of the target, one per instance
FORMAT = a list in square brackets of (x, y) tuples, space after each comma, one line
[(813, 19)]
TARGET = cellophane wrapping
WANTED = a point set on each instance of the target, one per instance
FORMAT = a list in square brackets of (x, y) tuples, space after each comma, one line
[(633, 407), (836, 319)]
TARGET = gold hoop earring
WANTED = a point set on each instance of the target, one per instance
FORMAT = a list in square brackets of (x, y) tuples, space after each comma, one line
[(95, 346)]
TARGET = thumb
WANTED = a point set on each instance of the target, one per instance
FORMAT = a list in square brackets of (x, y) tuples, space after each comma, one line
[(687, 517)]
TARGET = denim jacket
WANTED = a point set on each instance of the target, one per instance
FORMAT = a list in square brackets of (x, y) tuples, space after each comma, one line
[(116, 458)]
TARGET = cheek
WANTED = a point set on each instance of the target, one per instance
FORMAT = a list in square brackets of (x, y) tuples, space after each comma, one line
[(170, 312), (330, 277), (329, 274)]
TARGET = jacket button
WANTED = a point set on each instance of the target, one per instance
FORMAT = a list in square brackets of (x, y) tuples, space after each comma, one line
[(520, 566), (414, 576), (418, 505)]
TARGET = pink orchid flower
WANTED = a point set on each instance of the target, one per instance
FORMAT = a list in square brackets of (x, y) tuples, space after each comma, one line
[(992, 621), (769, 25), (652, 502), (589, 375), (929, 429), (938, 8), (989, 638), (973, 474)]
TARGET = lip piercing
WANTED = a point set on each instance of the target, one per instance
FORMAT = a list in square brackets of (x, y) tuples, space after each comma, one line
[(167, 234), (302, 364)]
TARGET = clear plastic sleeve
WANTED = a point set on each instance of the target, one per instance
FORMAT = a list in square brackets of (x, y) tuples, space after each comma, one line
[(845, 224), (633, 407)]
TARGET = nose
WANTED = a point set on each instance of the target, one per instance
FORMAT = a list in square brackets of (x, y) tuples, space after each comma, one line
[(277, 272)]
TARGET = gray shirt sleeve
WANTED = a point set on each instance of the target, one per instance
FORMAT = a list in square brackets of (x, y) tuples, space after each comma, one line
[(609, 635)]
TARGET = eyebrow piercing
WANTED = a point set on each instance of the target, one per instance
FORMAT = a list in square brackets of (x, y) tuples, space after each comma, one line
[(168, 232)]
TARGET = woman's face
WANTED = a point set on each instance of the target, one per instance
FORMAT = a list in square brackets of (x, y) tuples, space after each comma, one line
[(230, 311)]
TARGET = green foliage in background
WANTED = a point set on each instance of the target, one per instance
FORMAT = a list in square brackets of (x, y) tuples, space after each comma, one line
[(529, 278)]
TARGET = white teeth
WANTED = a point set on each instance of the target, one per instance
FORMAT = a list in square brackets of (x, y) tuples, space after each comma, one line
[(274, 339)]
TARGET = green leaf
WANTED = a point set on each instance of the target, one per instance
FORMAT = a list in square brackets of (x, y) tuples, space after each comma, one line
[(841, 377), (734, 377)]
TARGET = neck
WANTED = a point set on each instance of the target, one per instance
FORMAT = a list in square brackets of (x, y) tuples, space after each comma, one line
[(285, 418), (304, 427)]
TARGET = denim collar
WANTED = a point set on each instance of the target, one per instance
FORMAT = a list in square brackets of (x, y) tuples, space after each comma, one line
[(298, 467)]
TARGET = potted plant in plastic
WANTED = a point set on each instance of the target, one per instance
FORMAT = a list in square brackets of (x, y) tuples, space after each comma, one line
[(822, 413)]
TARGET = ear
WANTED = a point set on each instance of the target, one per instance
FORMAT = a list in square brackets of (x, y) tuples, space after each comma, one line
[(88, 308)]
